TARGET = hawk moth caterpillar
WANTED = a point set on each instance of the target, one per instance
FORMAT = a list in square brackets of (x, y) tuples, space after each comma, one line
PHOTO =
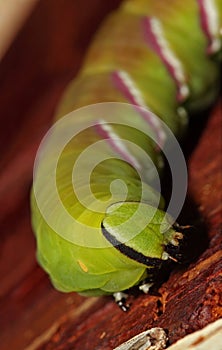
[(164, 61)]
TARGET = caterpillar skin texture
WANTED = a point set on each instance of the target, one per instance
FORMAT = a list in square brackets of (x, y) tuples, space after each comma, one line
[(155, 54)]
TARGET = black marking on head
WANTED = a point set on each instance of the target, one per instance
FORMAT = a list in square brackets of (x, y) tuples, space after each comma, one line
[(180, 251), (130, 252)]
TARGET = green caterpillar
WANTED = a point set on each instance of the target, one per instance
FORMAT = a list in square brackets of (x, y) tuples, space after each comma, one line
[(152, 58)]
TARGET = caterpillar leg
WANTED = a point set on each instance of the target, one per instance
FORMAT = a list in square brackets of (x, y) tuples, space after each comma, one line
[(150, 280), (120, 299), (145, 286)]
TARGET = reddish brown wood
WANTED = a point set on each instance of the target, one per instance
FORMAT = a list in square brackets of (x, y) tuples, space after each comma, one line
[(33, 74)]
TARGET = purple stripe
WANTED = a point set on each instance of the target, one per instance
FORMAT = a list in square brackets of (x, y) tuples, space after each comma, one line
[(114, 143), (205, 24), (152, 40), (149, 117)]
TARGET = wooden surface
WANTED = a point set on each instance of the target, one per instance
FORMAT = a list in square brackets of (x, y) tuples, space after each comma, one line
[(13, 15), (43, 58)]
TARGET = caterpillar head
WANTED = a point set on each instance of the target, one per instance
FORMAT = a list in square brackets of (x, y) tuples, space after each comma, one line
[(143, 233)]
